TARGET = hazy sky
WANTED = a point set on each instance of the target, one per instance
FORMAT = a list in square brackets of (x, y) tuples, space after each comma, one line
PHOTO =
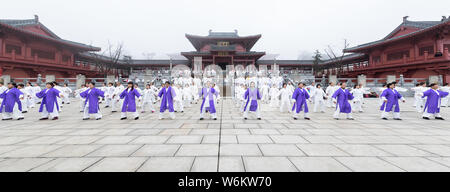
[(288, 27)]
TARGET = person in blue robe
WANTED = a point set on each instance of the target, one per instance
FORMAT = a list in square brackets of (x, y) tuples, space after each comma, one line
[(129, 96), (300, 98), (252, 96), (341, 98), (91, 106), (167, 94), (11, 106), (433, 102), (390, 97), (49, 105), (208, 95)]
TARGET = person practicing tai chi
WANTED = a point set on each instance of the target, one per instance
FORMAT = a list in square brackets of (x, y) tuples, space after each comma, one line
[(274, 93), (300, 98), (91, 105), (208, 95), (11, 106), (129, 96), (358, 94), (252, 96), (319, 97), (433, 102), (167, 94), (390, 97), (49, 104), (285, 102), (341, 98), (116, 97), (148, 99)]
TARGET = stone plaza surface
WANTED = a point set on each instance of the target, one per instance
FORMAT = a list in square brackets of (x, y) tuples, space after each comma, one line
[(275, 143)]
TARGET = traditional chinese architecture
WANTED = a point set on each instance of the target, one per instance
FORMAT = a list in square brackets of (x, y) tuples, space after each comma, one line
[(29, 48), (415, 49)]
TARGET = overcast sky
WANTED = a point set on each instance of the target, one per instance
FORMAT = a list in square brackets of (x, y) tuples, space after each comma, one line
[(288, 27)]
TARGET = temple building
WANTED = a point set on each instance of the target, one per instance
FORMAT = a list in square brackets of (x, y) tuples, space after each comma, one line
[(415, 49)]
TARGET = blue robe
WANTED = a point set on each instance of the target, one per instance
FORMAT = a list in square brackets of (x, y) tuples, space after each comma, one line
[(392, 97), (48, 99), (342, 97), (91, 96), (433, 104), (252, 98), (211, 93), (166, 99), (129, 100), (10, 99), (300, 96)]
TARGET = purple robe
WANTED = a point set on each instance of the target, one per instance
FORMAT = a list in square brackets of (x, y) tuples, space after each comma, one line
[(91, 96), (392, 97), (129, 100), (211, 93), (252, 97), (300, 96), (342, 97), (48, 99), (10, 98), (166, 99), (433, 104)]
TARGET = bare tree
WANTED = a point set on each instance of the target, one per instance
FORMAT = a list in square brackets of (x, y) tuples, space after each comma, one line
[(335, 57), (110, 58)]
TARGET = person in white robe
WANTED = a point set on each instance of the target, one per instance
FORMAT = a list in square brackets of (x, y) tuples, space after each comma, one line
[(285, 96), (36, 89), (187, 96), (148, 99), (330, 91), (82, 100), (66, 91), (274, 93), (319, 97), (109, 92), (178, 100), (357, 102), (30, 99), (116, 101), (23, 99), (265, 93), (445, 102), (59, 99)]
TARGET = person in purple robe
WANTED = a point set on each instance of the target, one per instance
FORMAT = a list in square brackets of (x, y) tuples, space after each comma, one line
[(129, 96), (11, 106), (208, 94), (91, 104), (341, 98), (433, 103), (390, 97), (49, 104), (167, 94), (252, 96), (300, 97)]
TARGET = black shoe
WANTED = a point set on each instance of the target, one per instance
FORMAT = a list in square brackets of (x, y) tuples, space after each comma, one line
[(215, 119), (20, 118), (136, 118), (245, 118), (398, 119), (106, 106), (182, 111), (307, 118), (45, 118), (7, 119), (98, 118), (201, 118), (113, 111), (55, 118), (350, 119), (426, 118), (384, 118), (176, 111), (336, 118), (295, 118), (84, 119), (24, 111), (123, 118), (259, 118), (439, 118)]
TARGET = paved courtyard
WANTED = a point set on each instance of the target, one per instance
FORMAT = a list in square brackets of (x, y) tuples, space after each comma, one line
[(275, 143)]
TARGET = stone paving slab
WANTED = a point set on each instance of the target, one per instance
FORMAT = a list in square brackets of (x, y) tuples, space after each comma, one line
[(275, 143)]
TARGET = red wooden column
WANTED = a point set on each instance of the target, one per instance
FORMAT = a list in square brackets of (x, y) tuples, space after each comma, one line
[(1, 71)]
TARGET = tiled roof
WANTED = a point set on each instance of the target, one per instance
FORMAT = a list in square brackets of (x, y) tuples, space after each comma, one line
[(421, 25), (18, 25)]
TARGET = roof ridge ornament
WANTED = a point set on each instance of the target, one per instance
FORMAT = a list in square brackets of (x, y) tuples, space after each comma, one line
[(405, 19), (36, 18)]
